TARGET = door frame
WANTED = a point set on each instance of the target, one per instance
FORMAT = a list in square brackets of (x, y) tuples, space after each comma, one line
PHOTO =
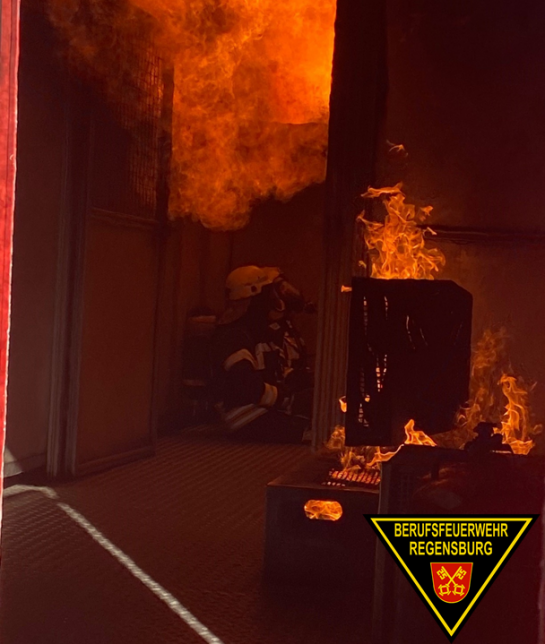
[(61, 458), (9, 64)]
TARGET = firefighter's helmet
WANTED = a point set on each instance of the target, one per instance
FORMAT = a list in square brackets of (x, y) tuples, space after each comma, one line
[(246, 281)]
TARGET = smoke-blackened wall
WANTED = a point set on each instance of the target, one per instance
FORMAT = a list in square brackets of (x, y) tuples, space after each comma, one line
[(467, 99)]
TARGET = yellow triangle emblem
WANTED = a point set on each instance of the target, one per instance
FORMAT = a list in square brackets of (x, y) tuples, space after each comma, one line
[(451, 560)]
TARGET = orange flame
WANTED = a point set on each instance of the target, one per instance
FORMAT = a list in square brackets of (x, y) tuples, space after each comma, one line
[(397, 247), (323, 510), (488, 359), (371, 457), (336, 441), (343, 405), (516, 427), (381, 457), (412, 437), (497, 394), (251, 98), (416, 437)]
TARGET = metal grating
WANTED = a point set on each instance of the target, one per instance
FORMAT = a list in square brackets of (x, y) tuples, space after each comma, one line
[(193, 519), (367, 479), (139, 111), (124, 68)]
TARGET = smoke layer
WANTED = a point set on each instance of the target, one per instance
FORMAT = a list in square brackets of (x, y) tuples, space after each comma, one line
[(251, 90)]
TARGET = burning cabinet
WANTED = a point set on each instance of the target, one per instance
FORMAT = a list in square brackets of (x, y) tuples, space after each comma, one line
[(409, 353), (410, 349)]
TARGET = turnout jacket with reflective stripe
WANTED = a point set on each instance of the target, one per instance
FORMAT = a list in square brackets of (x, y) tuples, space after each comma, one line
[(250, 368)]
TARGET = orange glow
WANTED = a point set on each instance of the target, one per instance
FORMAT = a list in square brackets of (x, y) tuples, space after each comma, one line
[(397, 246), (337, 439), (498, 395), (412, 437), (516, 427), (381, 457), (488, 359), (398, 150), (251, 98), (343, 405), (370, 457), (323, 510), (416, 437)]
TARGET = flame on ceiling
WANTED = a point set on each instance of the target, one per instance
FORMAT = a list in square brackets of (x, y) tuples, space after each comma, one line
[(251, 98)]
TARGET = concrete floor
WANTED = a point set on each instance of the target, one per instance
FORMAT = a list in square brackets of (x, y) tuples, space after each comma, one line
[(164, 550)]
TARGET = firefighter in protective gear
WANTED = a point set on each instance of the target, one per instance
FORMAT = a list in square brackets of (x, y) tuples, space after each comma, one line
[(262, 381)]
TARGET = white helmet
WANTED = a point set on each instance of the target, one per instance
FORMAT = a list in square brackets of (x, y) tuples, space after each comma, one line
[(246, 281)]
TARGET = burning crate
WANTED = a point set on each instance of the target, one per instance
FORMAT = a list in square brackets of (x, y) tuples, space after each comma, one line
[(315, 525), (409, 358)]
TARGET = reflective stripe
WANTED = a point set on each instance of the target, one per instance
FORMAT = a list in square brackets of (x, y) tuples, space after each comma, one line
[(261, 349), (240, 416), (129, 564), (269, 395), (239, 356), (291, 349)]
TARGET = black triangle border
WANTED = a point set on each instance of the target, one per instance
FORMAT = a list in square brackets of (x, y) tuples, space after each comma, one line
[(531, 518)]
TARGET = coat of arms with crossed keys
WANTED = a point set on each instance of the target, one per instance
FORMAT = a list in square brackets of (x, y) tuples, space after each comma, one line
[(451, 581)]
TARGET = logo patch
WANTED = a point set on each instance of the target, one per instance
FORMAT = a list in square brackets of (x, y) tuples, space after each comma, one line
[(451, 561)]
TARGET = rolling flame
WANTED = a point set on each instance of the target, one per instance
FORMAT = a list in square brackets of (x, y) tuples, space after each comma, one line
[(251, 91), (397, 246)]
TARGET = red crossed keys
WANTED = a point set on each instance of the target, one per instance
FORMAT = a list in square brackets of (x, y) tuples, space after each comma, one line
[(451, 589)]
